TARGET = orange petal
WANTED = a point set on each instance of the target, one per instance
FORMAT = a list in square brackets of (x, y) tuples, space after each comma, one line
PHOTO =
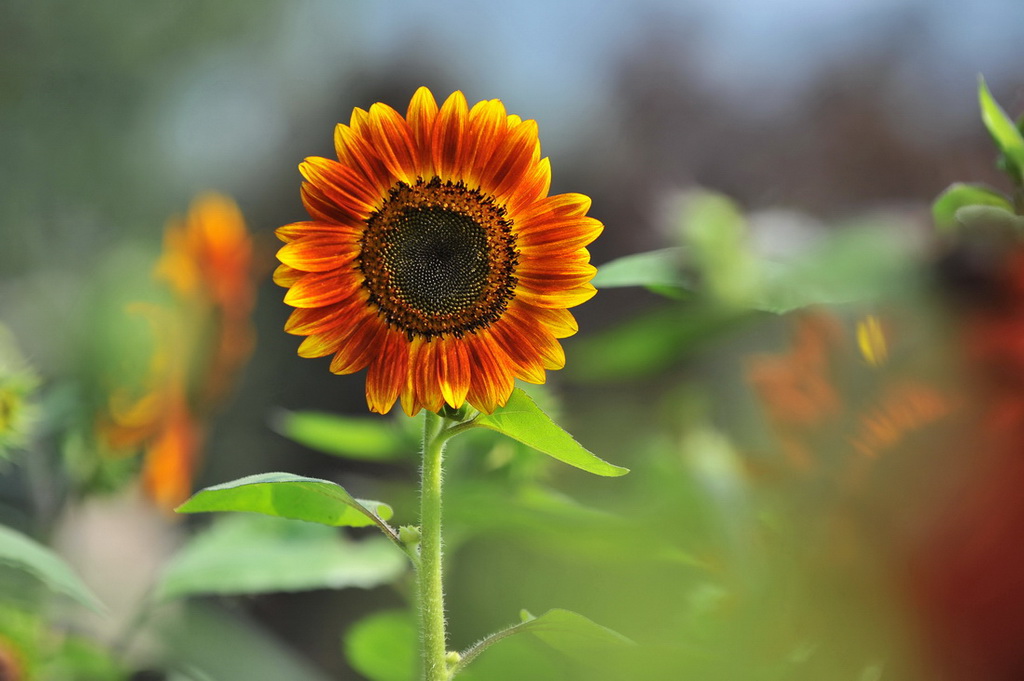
[(304, 320), (421, 115), (492, 381), (320, 253), (555, 299), (410, 400), (388, 372), (558, 321), (512, 160), (392, 139), (453, 373), (524, 359), (558, 235), (298, 230), (543, 262), (424, 370), (359, 348), (552, 207), (341, 186), (361, 155), (535, 185), (450, 136), (535, 335), (287, 276), (341, 139), (323, 288), (323, 209), (322, 343), (568, 276), (486, 129)]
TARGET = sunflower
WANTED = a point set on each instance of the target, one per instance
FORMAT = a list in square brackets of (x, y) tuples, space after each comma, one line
[(435, 257)]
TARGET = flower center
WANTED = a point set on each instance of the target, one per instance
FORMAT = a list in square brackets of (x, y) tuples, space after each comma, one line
[(439, 258)]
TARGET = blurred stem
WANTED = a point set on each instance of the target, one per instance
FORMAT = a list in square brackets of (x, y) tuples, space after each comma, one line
[(437, 430)]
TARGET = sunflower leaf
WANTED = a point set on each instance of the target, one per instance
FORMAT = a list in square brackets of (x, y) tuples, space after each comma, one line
[(648, 343), (990, 217), (366, 439), (960, 195), (658, 271), (242, 650), (715, 234), (382, 647), (859, 263), (1007, 136), (251, 554), (290, 496), (27, 554), (521, 419), (564, 630)]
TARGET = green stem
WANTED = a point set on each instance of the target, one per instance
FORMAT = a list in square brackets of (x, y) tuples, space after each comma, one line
[(429, 575), (437, 430)]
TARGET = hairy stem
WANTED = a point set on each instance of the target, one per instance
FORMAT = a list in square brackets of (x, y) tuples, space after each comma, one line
[(429, 575)]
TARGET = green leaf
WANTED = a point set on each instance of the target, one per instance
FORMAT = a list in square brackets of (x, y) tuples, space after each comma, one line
[(570, 632), (1006, 135), (856, 264), (383, 647), (960, 195), (191, 674), (649, 343), (565, 631), (368, 439), (246, 554), (27, 554), (80, 658), (658, 270), (227, 645), (991, 218), (522, 420), (714, 232), (290, 496)]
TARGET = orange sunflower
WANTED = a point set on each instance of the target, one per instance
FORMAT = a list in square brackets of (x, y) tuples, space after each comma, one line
[(435, 257)]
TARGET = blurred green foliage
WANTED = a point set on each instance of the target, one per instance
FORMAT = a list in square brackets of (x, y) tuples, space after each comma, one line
[(27, 554)]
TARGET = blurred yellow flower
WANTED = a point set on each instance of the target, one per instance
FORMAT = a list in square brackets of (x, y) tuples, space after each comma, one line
[(871, 341), (17, 383)]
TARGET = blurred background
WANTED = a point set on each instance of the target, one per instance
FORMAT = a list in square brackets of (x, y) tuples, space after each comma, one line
[(815, 471)]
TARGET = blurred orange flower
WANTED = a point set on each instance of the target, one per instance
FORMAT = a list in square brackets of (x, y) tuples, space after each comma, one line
[(200, 343), (953, 524), (10, 665), (207, 262), (820, 399), (796, 388)]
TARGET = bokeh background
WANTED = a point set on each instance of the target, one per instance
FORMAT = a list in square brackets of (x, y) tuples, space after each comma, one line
[(742, 545)]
